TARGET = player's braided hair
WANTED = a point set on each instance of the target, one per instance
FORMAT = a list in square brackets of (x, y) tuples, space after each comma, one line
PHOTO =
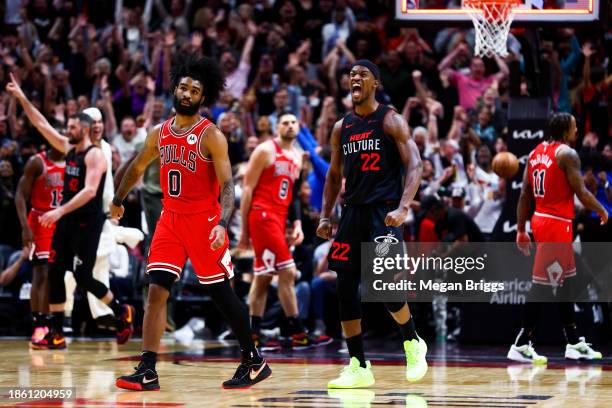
[(203, 69), (559, 125)]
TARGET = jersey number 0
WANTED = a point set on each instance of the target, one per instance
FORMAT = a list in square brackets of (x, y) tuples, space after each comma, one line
[(174, 183)]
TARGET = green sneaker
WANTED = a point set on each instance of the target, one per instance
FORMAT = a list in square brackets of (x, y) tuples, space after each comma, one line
[(416, 365), (354, 376)]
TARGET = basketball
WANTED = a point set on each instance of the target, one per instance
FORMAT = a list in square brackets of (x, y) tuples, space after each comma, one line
[(505, 165)]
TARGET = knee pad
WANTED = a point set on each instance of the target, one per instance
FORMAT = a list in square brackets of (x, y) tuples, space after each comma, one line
[(348, 296), (162, 278), (394, 307)]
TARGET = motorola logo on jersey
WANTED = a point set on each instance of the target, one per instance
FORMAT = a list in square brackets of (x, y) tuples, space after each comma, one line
[(192, 139), (171, 154)]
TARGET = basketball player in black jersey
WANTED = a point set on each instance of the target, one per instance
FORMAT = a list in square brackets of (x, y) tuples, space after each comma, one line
[(79, 219), (373, 150)]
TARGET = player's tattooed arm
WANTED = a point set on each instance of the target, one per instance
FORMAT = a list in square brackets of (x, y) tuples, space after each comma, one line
[(569, 161), (215, 146), (397, 127), (33, 169)]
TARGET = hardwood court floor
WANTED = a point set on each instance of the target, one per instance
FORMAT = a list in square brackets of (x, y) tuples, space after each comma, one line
[(192, 376)]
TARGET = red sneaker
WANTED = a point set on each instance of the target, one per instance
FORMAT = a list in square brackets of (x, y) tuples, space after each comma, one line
[(125, 324), (52, 341)]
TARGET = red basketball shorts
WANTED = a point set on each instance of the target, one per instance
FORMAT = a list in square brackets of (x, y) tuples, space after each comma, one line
[(181, 236), (267, 232), (554, 258), (43, 237)]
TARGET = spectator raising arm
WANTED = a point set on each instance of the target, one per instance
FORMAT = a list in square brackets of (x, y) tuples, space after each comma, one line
[(57, 140)]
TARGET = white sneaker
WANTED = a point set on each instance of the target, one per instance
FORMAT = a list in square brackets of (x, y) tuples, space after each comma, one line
[(582, 349), (526, 354)]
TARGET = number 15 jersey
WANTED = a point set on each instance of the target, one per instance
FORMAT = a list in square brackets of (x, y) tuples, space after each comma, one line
[(188, 180)]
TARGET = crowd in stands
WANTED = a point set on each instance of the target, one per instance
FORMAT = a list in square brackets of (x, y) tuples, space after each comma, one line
[(294, 55)]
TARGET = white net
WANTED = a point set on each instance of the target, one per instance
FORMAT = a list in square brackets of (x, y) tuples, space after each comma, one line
[(492, 21)]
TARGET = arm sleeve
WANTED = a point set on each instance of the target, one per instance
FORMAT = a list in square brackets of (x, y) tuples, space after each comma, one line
[(294, 207)]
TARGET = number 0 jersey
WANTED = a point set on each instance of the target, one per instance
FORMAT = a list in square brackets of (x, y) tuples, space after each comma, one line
[(188, 179), (551, 190), (372, 165), (47, 188)]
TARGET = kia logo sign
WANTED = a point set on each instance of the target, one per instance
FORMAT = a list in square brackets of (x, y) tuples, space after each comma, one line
[(528, 134)]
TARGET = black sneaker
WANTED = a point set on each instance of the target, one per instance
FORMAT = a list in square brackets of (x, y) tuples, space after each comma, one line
[(143, 379), (248, 374)]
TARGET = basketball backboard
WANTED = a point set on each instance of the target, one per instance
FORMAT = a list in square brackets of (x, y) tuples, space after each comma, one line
[(538, 12)]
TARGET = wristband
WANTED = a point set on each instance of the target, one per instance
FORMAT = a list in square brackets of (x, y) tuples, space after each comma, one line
[(323, 219), (223, 223), (117, 202)]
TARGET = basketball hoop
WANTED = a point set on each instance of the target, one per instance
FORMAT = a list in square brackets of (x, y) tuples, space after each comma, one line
[(492, 20)]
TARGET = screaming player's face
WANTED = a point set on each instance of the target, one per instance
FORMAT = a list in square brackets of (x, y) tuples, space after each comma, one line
[(188, 96), (570, 136), (97, 129), (76, 132), (288, 127), (363, 84)]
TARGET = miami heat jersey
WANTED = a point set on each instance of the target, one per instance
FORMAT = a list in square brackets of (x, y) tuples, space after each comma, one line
[(275, 186), (372, 165), (551, 190), (188, 179), (47, 188)]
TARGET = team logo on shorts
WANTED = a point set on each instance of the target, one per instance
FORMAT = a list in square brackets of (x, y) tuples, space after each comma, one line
[(192, 139), (384, 242)]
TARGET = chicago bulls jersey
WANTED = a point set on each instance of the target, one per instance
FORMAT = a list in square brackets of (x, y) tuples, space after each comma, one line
[(47, 188), (275, 186), (551, 190), (372, 165), (188, 179)]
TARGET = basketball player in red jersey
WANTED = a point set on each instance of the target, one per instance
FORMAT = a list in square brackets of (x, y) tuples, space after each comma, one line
[(194, 162), (551, 179), (41, 184), (268, 199)]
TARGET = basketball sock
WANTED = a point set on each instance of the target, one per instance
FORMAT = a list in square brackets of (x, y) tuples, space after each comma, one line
[(571, 333), (116, 307), (295, 325), (38, 319), (57, 321), (525, 336), (568, 318), (149, 358), (355, 349), (236, 316), (408, 330), (255, 324)]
